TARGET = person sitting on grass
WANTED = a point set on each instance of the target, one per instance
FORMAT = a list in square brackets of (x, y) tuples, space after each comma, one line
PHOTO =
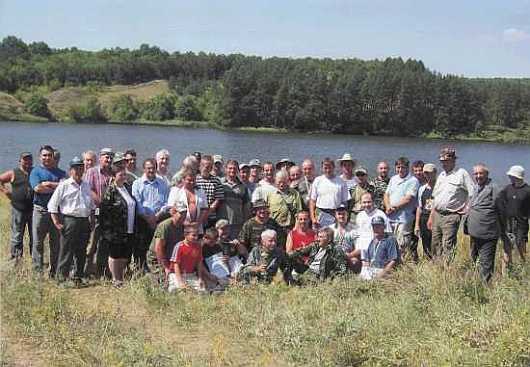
[(221, 258), (345, 236), (382, 254), (325, 259), (187, 263), (265, 260)]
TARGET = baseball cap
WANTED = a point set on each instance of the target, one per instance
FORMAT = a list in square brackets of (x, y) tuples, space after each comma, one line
[(429, 167), (76, 162), (378, 221)]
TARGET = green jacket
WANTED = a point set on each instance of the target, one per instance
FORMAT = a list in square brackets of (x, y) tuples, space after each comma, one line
[(274, 260), (334, 263)]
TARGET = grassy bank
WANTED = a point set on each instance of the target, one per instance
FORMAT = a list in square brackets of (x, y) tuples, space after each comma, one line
[(424, 316)]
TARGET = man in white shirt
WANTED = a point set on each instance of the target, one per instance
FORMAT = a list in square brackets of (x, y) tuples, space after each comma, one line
[(347, 164), (266, 184), (328, 192), (70, 207), (363, 222)]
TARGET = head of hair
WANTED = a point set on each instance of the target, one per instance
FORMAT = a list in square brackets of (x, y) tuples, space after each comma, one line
[(282, 175), (130, 152), (48, 148), (481, 166), (328, 231), (417, 164), (206, 157), (210, 233), (232, 162), (190, 227), (89, 153), (149, 160), (403, 161), (187, 172), (328, 160), (116, 168), (268, 233), (162, 153)]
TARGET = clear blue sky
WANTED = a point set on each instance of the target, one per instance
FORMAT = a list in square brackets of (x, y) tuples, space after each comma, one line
[(465, 37)]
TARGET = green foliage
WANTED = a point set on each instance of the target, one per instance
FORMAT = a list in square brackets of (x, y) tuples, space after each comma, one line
[(159, 108), (89, 111), (186, 109), (123, 108), (37, 105)]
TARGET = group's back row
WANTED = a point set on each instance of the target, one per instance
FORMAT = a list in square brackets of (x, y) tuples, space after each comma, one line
[(109, 211)]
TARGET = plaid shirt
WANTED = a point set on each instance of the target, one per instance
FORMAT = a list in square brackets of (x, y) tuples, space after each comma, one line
[(212, 187)]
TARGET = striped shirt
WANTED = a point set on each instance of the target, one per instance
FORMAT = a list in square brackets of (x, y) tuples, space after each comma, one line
[(212, 187)]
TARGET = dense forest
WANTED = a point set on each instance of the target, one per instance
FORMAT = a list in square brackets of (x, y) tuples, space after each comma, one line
[(380, 97)]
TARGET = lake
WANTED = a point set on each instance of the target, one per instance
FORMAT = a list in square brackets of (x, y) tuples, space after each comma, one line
[(73, 139)]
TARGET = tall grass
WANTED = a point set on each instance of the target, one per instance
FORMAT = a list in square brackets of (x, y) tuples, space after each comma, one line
[(426, 315)]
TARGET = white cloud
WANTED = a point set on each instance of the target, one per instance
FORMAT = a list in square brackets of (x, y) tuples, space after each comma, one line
[(514, 35)]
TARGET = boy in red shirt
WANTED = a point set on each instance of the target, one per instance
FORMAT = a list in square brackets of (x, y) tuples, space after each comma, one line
[(188, 269)]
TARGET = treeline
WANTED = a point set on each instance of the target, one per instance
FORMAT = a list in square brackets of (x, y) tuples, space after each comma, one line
[(392, 96)]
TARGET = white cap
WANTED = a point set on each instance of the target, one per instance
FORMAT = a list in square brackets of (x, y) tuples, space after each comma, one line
[(516, 171)]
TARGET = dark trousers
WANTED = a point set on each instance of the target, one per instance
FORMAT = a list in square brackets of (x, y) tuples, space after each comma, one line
[(74, 239), (20, 220), (484, 250), (141, 246), (426, 236)]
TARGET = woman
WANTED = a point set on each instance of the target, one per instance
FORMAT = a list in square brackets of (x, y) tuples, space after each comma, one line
[(117, 216), (235, 206), (301, 235), (193, 199)]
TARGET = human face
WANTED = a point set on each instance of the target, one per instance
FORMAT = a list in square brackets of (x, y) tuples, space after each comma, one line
[(308, 168), (268, 172), (402, 170), (418, 173), (105, 160), (362, 178), (244, 174), (76, 173), (341, 216), (262, 214), (448, 164), (231, 171), (379, 230), (206, 167), (120, 178), (46, 158), (255, 171), (188, 182), (269, 243), (382, 170), (303, 220), (294, 174), (149, 171), (217, 168), (131, 162), (163, 162), (223, 232), (429, 176), (192, 236), (89, 160), (347, 168), (26, 163), (328, 169), (282, 184), (323, 239), (515, 181), (480, 174), (367, 203), (209, 240)]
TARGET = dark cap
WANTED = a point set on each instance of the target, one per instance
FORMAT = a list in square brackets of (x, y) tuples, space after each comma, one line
[(259, 204), (447, 153), (378, 221), (341, 208), (197, 155), (76, 162), (286, 162), (26, 155)]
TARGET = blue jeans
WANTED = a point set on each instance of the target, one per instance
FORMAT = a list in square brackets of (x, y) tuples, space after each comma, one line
[(42, 226), (19, 221)]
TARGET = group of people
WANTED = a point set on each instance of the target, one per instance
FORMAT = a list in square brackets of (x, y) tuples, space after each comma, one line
[(214, 223)]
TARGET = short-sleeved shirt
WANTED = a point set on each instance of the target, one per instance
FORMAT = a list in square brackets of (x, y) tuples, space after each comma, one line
[(452, 190), (41, 174), (380, 253), (212, 187), (284, 206), (170, 233), (329, 193), (98, 180), (236, 196), (363, 224), (187, 256), (344, 238), (251, 231), (397, 189), (425, 201), (263, 188)]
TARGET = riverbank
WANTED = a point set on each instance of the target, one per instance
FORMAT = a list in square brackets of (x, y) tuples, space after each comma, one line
[(425, 314)]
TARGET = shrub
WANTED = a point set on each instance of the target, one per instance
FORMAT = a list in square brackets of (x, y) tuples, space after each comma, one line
[(37, 105)]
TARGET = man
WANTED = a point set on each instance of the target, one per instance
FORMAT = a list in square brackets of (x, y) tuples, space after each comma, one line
[(151, 192), (284, 164), (295, 174), (424, 208), (266, 184), (483, 222), (417, 171), (381, 183), (284, 203), (98, 179), (89, 159), (21, 198), (131, 169), (304, 185), (167, 234), (515, 207), (218, 164), (212, 187), (400, 204), (382, 255), (264, 261), (252, 228), (255, 171), (451, 194), (328, 192), (356, 192), (347, 164), (44, 179), (162, 166), (71, 207), (363, 223), (345, 236), (325, 260), (244, 176)]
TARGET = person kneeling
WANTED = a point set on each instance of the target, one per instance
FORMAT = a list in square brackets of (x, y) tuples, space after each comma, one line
[(382, 255), (186, 261), (265, 260), (325, 260)]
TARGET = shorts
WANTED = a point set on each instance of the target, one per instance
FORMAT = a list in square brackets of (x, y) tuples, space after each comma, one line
[(191, 280), (121, 250)]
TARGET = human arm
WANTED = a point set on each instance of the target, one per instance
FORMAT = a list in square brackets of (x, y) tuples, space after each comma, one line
[(56, 219), (313, 212), (289, 243), (204, 274), (6, 177), (160, 250), (387, 269), (178, 276)]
